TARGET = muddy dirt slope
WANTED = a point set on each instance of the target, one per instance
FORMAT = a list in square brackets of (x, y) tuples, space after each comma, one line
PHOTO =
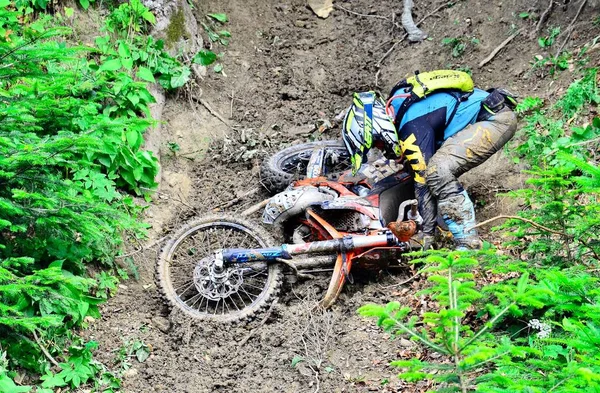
[(287, 73)]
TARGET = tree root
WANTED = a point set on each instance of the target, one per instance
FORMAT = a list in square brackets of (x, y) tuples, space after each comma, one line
[(499, 48)]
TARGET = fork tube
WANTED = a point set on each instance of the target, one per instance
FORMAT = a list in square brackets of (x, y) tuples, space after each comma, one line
[(287, 251)]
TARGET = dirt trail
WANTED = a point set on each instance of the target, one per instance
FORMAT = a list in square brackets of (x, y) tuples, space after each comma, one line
[(289, 72)]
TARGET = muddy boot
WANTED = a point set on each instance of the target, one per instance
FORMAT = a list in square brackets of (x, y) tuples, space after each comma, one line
[(459, 214), (422, 241)]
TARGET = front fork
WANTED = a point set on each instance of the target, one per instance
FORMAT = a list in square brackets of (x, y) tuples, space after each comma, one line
[(287, 251)]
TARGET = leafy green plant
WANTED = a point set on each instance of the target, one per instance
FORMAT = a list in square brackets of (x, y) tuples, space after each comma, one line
[(71, 124), (132, 349), (544, 130), (457, 46), (529, 104), (45, 4), (455, 292), (547, 41), (553, 64), (129, 18), (215, 35), (465, 69)]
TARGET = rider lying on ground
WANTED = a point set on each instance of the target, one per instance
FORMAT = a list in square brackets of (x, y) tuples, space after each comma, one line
[(442, 135)]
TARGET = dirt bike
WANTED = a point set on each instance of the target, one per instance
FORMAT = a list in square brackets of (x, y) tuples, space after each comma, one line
[(225, 268)]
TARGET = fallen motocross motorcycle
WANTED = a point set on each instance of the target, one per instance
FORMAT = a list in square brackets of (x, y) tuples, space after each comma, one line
[(225, 268)]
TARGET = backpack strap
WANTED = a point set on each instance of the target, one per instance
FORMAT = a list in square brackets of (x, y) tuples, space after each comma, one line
[(460, 97), (457, 95)]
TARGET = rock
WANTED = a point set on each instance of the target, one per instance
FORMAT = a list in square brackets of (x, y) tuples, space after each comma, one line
[(299, 130), (132, 372), (180, 183), (199, 70), (300, 23), (290, 93), (175, 24), (406, 343), (322, 8), (303, 369), (161, 324)]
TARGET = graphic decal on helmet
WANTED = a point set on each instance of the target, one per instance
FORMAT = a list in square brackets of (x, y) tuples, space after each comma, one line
[(366, 121)]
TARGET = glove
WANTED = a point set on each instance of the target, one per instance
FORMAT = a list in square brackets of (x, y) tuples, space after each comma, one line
[(423, 241), (428, 242)]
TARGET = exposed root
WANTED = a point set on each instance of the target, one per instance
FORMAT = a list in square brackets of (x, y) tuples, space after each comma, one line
[(533, 223), (236, 200), (253, 209), (542, 20), (380, 62), (499, 48), (570, 29), (413, 32), (44, 350)]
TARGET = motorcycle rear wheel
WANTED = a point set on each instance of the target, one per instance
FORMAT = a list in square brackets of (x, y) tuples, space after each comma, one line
[(183, 271), (290, 164)]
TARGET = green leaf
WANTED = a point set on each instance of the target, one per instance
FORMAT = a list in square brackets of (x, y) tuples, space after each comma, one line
[(205, 57), (111, 65), (522, 284), (127, 63), (297, 359), (128, 177), (181, 79), (132, 138), (219, 17), (149, 16), (142, 354), (68, 12), (138, 171), (53, 380), (145, 74), (224, 33), (524, 15), (218, 68), (7, 385), (85, 4), (371, 310)]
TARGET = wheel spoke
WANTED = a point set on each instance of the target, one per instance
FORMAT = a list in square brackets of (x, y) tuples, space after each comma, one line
[(249, 296), (190, 282), (194, 280), (187, 300)]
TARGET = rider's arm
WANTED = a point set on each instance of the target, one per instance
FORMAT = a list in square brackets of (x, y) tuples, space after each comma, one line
[(418, 142)]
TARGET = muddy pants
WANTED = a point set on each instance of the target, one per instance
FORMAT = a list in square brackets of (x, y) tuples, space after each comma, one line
[(461, 152)]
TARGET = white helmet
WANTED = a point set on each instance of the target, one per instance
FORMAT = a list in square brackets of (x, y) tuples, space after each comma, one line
[(365, 124)]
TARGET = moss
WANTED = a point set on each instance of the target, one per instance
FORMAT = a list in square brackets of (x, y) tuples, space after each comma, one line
[(176, 29)]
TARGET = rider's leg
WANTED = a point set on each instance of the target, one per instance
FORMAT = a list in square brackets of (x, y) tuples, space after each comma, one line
[(463, 151)]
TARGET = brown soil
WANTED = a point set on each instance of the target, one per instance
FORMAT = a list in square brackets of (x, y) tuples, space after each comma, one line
[(287, 72)]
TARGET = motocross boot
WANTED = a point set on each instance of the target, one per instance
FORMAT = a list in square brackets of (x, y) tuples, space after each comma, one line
[(459, 214), (423, 241)]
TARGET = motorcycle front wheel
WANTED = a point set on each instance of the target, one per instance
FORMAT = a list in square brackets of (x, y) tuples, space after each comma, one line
[(189, 281)]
